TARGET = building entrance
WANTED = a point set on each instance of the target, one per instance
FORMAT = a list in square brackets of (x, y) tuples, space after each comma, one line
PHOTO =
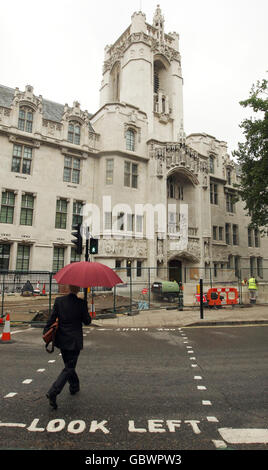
[(175, 270)]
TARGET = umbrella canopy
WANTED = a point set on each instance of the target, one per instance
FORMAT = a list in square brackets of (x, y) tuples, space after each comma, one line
[(87, 274)]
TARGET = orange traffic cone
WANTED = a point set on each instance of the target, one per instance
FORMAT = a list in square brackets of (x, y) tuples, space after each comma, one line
[(6, 336), (44, 289)]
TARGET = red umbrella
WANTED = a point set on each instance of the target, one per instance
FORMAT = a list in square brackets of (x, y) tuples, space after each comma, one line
[(87, 274)]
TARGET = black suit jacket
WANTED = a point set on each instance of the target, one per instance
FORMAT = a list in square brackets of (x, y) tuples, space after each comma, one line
[(71, 312)]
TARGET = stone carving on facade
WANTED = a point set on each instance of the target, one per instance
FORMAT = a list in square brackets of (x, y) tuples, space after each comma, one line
[(124, 248), (27, 97), (4, 112), (176, 155), (194, 247)]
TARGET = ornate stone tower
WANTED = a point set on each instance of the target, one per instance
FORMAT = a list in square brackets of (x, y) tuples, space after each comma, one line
[(143, 68)]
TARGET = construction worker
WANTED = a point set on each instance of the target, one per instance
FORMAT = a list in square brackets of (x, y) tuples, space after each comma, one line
[(252, 288)]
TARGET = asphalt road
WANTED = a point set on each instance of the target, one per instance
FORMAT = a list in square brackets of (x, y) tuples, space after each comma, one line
[(144, 389)]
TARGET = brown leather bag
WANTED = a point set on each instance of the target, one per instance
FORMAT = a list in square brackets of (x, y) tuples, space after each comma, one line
[(49, 336)]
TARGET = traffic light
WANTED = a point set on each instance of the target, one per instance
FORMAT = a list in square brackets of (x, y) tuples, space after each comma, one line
[(78, 239), (93, 246)]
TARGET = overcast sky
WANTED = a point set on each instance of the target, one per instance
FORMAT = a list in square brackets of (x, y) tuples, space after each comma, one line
[(57, 46)]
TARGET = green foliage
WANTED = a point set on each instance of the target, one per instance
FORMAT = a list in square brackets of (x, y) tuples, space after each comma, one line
[(252, 156)]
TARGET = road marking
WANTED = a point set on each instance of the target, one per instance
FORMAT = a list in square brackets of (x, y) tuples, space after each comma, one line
[(206, 403), (40, 370), (21, 331), (219, 444), (192, 358), (51, 360), (194, 365), (244, 436), (27, 381), (197, 377), (13, 425), (212, 419), (201, 387), (10, 395)]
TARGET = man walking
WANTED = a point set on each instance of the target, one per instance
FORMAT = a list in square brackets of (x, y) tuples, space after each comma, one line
[(71, 313)]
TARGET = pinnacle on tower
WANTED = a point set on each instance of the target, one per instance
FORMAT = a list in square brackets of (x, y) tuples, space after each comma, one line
[(158, 22)]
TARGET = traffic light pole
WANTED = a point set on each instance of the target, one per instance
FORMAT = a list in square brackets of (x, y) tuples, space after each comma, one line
[(86, 259)]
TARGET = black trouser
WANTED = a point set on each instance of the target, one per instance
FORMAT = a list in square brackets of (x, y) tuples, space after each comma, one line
[(67, 374)]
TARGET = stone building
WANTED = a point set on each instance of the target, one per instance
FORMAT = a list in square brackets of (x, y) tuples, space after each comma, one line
[(154, 196)]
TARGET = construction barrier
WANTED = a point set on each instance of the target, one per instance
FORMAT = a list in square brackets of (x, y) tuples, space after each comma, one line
[(214, 296)]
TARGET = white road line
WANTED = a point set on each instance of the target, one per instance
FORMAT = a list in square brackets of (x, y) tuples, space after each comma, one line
[(40, 370), (21, 331), (194, 365), (219, 444), (206, 403), (51, 360), (27, 381), (10, 395), (212, 419), (244, 436), (13, 425), (201, 387), (197, 377)]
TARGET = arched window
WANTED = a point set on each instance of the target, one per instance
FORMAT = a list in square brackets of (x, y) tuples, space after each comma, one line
[(211, 164), (74, 133), (130, 140), (25, 122)]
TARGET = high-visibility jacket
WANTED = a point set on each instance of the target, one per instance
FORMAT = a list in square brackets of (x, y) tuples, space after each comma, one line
[(252, 283)]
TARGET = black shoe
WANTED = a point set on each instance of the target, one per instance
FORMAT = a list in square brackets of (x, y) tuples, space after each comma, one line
[(73, 391), (52, 400)]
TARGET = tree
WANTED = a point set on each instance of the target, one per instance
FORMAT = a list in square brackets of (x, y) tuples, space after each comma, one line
[(252, 156)]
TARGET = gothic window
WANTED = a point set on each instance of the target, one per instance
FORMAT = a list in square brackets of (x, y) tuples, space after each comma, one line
[(211, 164), (4, 256), (74, 132), (25, 122), (130, 140), (21, 159), (131, 175), (7, 207), (229, 176), (230, 204), (61, 214), (213, 193), (171, 188), (77, 212), (71, 172), (23, 258), (58, 258), (27, 208), (156, 80), (109, 170)]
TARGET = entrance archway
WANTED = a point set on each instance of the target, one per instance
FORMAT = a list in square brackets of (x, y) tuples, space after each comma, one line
[(175, 270)]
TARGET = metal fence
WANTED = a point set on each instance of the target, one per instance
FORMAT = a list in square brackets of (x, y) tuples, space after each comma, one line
[(34, 292)]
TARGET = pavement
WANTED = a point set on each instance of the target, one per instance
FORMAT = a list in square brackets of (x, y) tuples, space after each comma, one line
[(163, 318), (171, 317)]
